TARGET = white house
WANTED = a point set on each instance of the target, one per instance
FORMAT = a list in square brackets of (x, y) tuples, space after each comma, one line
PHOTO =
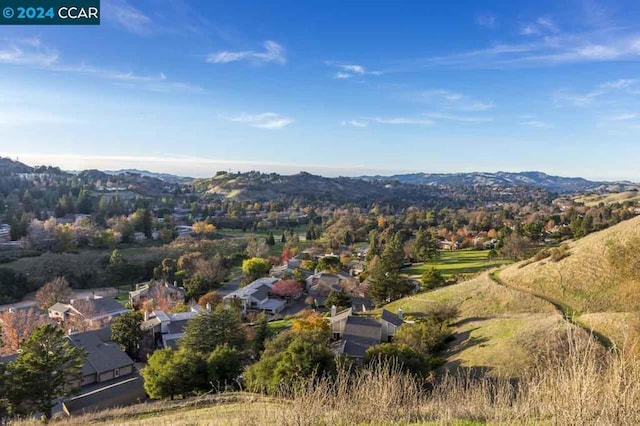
[(255, 297)]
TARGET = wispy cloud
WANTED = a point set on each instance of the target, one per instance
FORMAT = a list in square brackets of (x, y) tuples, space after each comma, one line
[(541, 25), (273, 52), (355, 123), (447, 99), (537, 124), (401, 120), (34, 54), (487, 20), (267, 120), (462, 119), (624, 117), (546, 45), (124, 15), (619, 84), (350, 70)]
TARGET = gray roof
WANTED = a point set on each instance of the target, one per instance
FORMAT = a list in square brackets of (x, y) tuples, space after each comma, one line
[(261, 292), (176, 327), (125, 391), (357, 347), (8, 358), (102, 356), (106, 305), (361, 327), (391, 318)]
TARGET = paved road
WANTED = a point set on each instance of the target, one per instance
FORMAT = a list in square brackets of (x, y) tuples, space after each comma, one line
[(229, 287)]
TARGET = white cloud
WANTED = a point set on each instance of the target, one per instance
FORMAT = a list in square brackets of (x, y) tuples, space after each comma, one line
[(401, 120), (487, 20), (355, 123), (451, 100), (351, 70), (536, 123), (618, 84), (267, 120), (124, 15), (32, 53), (273, 52), (624, 117), (539, 26)]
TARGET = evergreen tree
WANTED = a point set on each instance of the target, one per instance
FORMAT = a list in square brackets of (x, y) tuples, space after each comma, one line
[(126, 331), (48, 367), (210, 329)]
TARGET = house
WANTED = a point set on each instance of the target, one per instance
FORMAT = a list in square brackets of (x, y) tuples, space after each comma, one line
[(255, 297), (5, 233), (353, 335), (96, 310), (144, 292), (165, 330), (323, 283), (109, 377)]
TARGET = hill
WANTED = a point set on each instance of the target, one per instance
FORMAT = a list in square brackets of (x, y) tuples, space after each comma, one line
[(504, 179), (586, 280), (165, 177), (8, 167)]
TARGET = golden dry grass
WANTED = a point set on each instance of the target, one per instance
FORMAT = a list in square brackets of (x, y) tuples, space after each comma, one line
[(584, 281), (574, 382)]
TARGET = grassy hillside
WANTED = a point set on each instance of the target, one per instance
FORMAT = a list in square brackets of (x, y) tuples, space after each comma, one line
[(499, 331), (585, 281), (452, 262)]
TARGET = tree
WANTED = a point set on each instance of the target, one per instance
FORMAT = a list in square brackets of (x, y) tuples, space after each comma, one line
[(261, 334), (425, 337), (210, 329), (49, 367), (337, 299), (432, 278), (17, 326), (271, 241), (386, 284), (255, 268), (212, 299), (169, 373), (52, 292), (404, 356), (224, 365), (424, 247), (516, 247), (204, 230), (329, 264), (287, 289), (126, 331)]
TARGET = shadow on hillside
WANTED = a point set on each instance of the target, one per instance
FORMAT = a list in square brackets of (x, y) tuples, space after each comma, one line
[(462, 342), (468, 320)]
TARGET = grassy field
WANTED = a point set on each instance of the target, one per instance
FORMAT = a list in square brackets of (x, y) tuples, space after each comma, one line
[(620, 197), (452, 262)]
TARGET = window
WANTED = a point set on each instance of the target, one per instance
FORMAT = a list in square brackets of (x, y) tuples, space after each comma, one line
[(116, 372)]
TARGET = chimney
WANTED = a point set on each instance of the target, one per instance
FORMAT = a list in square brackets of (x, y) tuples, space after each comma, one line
[(166, 284), (175, 283), (208, 307), (146, 315), (400, 313), (334, 310), (71, 301)]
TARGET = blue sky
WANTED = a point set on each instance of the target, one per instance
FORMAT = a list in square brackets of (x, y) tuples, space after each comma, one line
[(336, 88)]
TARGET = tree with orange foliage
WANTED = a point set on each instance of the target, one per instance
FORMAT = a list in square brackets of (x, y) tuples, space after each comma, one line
[(289, 289), (212, 298), (17, 326), (204, 229), (310, 321)]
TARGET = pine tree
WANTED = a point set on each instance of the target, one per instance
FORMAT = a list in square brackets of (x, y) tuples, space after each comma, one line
[(48, 367)]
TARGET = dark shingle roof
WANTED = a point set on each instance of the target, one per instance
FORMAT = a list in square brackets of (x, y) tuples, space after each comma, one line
[(391, 318), (357, 347), (176, 327), (125, 391), (8, 358), (102, 356), (261, 292), (361, 327)]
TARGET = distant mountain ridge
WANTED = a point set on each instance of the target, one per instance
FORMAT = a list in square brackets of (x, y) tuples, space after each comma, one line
[(167, 177), (529, 178)]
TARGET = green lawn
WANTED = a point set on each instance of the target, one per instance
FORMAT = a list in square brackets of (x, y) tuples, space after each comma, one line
[(453, 262), (276, 327)]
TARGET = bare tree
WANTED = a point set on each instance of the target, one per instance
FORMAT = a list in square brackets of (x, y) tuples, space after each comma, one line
[(57, 290), (17, 326)]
